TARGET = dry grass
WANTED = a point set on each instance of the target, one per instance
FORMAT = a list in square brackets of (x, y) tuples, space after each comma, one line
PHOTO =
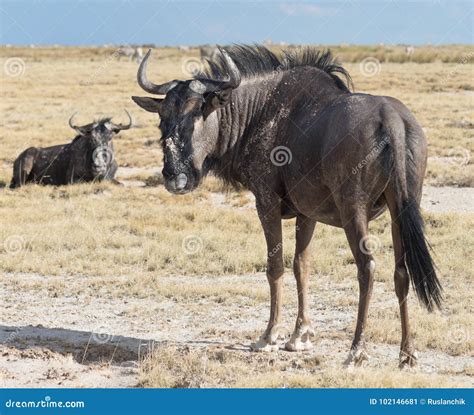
[(101, 229), (218, 367), (144, 235)]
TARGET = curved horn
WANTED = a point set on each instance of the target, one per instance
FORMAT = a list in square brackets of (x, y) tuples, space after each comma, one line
[(150, 86), (233, 78), (74, 127), (123, 126)]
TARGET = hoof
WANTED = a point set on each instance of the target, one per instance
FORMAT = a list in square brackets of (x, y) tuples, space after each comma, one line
[(300, 340), (298, 345), (263, 345), (268, 340), (357, 357), (407, 360)]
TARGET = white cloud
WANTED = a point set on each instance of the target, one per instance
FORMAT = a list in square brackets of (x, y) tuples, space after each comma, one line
[(298, 9)]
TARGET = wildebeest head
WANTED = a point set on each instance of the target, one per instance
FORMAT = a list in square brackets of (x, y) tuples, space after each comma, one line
[(98, 139), (183, 112)]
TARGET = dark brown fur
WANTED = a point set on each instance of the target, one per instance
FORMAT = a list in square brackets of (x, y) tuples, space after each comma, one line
[(349, 157), (88, 157)]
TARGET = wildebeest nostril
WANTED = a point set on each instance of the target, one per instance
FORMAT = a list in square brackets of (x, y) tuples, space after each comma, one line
[(181, 181)]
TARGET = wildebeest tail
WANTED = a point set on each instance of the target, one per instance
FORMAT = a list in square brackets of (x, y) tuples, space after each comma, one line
[(418, 259), (403, 179)]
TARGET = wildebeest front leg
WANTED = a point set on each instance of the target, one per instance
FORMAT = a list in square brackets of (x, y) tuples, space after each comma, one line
[(70, 174), (110, 174), (270, 217), (300, 339)]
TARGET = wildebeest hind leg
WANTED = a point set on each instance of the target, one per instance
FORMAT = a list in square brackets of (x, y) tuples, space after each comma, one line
[(270, 218), (408, 355), (356, 229), (21, 170), (300, 339)]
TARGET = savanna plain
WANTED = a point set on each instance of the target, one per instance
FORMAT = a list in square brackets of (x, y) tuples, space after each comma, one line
[(124, 286)]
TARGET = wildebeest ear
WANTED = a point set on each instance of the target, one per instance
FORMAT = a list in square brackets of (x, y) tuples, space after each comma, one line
[(148, 104), (82, 130), (216, 100)]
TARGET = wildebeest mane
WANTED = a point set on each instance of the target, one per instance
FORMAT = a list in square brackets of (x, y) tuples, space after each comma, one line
[(257, 60)]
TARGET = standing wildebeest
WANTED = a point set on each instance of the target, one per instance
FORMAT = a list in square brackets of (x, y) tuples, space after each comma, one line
[(89, 157), (291, 131)]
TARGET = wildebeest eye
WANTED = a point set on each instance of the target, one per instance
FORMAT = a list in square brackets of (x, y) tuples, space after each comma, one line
[(191, 105)]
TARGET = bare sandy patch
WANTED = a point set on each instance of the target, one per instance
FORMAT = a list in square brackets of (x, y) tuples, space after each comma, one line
[(81, 336)]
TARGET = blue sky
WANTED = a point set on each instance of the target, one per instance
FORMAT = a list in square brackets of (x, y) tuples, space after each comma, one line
[(86, 22)]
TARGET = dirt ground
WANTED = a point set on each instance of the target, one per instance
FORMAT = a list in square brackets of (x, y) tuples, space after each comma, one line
[(89, 340)]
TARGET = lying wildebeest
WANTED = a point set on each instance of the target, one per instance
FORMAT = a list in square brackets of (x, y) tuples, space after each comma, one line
[(89, 157), (291, 131)]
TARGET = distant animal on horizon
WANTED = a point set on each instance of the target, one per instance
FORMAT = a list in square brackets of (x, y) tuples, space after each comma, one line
[(209, 52), (132, 53), (409, 51), (88, 157)]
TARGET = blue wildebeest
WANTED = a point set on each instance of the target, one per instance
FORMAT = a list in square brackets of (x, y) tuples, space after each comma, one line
[(88, 157), (291, 131)]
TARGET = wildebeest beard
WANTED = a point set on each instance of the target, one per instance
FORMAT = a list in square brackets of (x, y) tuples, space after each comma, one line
[(102, 159)]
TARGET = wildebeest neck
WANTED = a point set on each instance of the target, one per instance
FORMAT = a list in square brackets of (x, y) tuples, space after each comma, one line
[(248, 105), (259, 114)]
